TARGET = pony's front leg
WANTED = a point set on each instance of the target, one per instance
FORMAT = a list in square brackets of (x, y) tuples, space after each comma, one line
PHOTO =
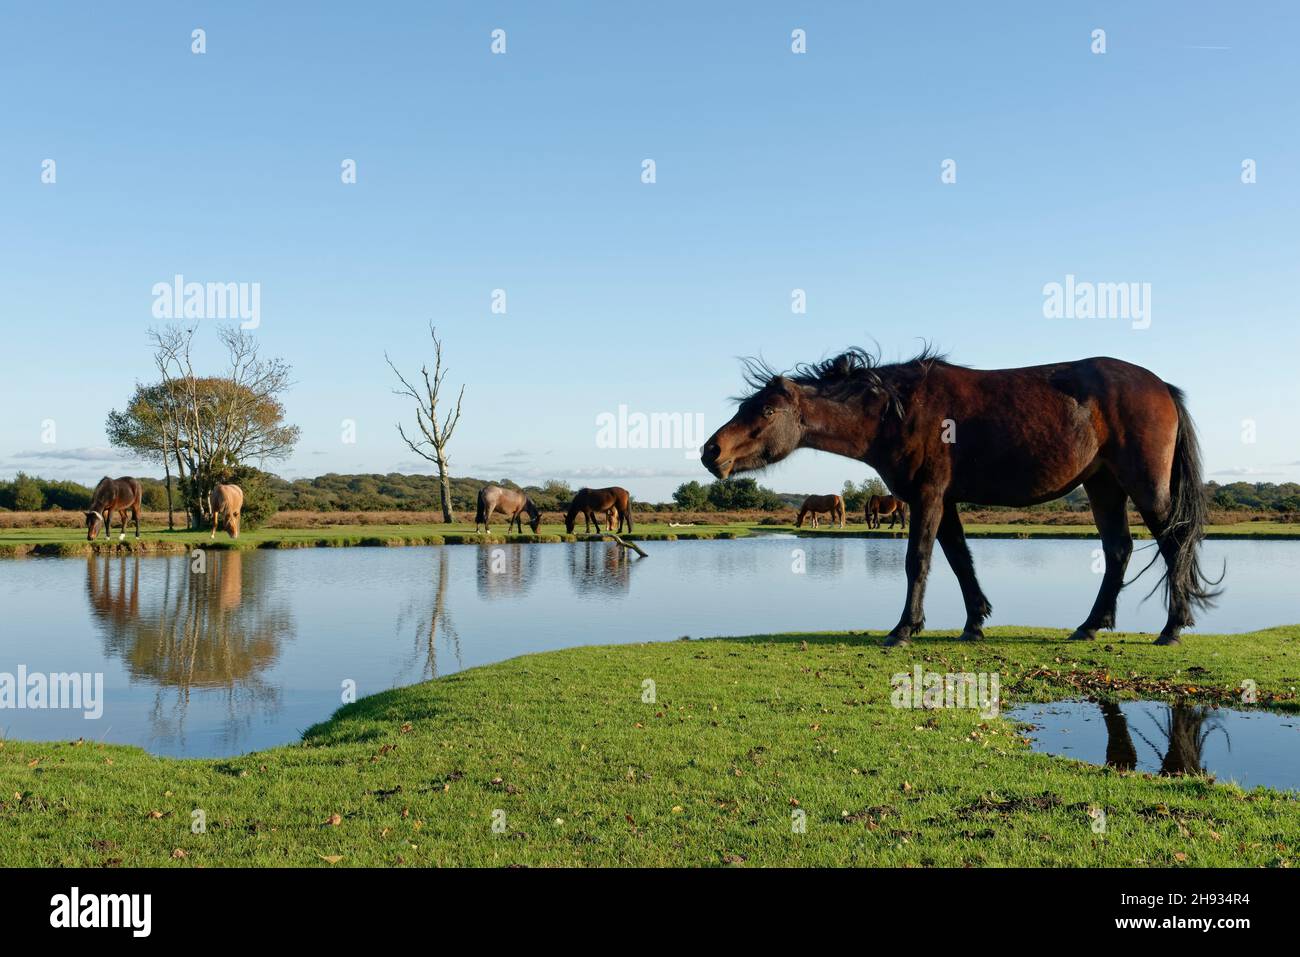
[(920, 547)]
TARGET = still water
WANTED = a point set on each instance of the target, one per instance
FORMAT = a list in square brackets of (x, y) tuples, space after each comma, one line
[(1250, 748), (257, 648)]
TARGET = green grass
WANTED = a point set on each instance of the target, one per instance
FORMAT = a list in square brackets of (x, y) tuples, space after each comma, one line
[(17, 542), (743, 732)]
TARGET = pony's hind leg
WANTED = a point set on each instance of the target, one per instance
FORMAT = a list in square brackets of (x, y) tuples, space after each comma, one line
[(1182, 579), (1110, 511), (952, 539)]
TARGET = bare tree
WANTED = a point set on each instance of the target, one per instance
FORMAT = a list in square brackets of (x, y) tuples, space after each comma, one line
[(435, 435)]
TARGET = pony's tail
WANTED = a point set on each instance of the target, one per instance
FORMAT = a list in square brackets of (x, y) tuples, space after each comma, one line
[(1184, 581), (479, 514)]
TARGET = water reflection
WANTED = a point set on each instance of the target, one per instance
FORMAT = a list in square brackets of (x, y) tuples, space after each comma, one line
[(202, 663), (203, 630), (1184, 728), (506, 570), (427, 617), (1250, 747), (601, 569)]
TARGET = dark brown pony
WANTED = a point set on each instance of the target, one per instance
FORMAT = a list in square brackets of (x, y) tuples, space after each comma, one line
[(821, 503), (593, 502), (940, 434), (890, 505), (113, 495), (494, 498)]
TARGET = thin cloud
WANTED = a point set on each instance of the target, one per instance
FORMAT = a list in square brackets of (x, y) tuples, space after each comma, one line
[(606, 471), (84, 454), (1243, 471)]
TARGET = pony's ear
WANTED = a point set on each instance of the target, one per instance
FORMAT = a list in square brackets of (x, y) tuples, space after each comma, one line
[(785, 385)]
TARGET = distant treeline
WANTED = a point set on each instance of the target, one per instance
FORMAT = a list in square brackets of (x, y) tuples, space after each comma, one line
[(418, 493)]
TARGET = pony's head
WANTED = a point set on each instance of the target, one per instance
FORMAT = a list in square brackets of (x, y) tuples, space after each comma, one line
[(766, 428), (232, 524), (835, 405), (534, 515), (93, 521)]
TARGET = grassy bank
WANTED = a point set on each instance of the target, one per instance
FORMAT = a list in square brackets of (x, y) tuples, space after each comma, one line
[(742, 734), (19, 542), (69, 541)]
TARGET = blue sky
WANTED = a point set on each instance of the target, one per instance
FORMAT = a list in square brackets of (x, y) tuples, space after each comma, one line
[(522, 172)]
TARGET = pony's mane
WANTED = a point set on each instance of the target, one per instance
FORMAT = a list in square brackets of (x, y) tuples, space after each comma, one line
[(849, 376)]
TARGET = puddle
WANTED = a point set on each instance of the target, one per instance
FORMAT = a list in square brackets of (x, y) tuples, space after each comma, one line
[(1251, 748)]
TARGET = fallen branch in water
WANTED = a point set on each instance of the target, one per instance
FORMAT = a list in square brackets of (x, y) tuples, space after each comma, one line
[(632, 545)]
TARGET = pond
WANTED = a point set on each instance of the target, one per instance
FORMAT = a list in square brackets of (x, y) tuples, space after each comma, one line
[(258, 647), (1250, 748)]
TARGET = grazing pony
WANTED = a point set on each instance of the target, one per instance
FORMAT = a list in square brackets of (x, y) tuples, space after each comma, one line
[(940, 434), (113, 495), (890, 505), (494, 498), (821, 503), (227, 499), (593, 502)]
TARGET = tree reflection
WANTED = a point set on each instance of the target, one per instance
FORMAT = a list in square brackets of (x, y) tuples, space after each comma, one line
[(209, 627), (431, 616)]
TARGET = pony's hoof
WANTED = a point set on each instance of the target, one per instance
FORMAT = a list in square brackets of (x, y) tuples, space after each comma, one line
[(1168, 640), (1084, 634), (898, 639), (972, 634), (122, 537)]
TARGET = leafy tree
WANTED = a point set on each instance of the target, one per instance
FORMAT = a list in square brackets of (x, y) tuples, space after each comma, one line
[(28, 496), (215, 423), (691, 497), (735, 494), (142, 429)]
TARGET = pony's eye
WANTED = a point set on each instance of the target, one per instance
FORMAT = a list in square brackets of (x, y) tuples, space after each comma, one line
[(768, 411)]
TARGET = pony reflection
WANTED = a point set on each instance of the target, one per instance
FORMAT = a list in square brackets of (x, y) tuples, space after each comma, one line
[(1184, 728), (600, 568)]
